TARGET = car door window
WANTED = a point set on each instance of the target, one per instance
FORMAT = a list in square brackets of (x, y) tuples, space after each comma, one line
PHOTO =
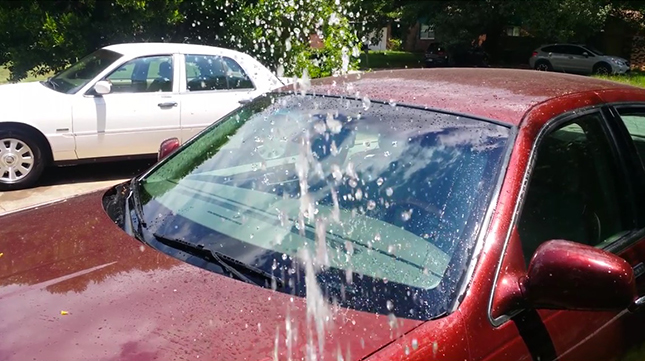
[(576, 190), (213, 72), (635, 123), (143, 75)]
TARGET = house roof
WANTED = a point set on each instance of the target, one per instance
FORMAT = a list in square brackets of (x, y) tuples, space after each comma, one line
[(501, 94)]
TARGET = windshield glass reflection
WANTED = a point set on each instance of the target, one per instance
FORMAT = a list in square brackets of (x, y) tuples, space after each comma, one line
[(79, 74), (387, 199)]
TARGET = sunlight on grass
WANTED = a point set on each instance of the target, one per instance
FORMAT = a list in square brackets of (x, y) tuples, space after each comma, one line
[(5, 73), (636, 78)]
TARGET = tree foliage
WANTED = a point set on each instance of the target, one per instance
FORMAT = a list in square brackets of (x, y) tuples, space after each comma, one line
[(46, 35)]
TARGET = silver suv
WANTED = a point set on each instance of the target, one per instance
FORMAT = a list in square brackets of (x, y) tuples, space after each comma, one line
[(579, 59)]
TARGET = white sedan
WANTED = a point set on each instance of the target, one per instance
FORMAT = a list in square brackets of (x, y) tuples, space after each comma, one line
[(121, 101)]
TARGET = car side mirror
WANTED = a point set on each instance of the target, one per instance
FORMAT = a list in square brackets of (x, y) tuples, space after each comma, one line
[(585, 54), (167, 147), (572, 276), (102, 87)]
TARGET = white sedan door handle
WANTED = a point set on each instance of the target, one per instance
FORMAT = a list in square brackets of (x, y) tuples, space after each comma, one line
[(167, 105)]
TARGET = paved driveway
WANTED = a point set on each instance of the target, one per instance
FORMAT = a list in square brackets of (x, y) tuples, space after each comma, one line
[(63, 182)]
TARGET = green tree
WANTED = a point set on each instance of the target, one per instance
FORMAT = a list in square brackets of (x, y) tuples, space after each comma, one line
[(278, 33), (44, 36), (549, 20)]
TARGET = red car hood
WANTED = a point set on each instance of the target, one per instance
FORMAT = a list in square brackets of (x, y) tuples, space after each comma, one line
[(74, 286)]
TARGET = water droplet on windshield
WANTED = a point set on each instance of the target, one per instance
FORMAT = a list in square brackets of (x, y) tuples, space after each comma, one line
[(359, 194), (390, 305), (415, 344), (379, 182), (389, 191), (392, 103), (371, 205)]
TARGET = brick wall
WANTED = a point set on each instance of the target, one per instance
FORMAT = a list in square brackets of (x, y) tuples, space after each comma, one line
[(637, 59)]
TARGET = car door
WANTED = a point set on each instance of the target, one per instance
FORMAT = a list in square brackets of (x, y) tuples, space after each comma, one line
[(577, 61), (557, 57), (215, 85), (141, 110), (580, 189)]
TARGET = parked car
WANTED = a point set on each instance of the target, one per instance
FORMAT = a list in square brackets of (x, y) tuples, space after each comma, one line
[(447, 214), (575, 58), (436, 55), (460, 55), (121, 101)]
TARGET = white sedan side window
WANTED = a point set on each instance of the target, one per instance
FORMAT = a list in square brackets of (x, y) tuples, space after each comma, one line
[(143, 75), (212, 72)]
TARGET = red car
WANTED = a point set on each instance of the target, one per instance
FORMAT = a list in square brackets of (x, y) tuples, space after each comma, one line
[(438, 214)]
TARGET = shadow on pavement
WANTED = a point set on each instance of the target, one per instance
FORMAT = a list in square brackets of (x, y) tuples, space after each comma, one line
[(94, 172)]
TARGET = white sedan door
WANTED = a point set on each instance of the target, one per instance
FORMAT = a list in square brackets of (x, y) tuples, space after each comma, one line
[(136, 116), (214, 87)]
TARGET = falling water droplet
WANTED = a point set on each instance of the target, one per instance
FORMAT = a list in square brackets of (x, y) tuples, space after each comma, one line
[(371, 205), (366, 103)]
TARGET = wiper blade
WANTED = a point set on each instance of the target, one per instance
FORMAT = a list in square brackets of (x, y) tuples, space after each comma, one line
[(134, 230), (51, 83), (239, 269), (138, 210)]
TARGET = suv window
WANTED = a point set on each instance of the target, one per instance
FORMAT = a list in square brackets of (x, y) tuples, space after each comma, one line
[(214, 72), (549, 49), (573, 50), (143, 75), (575, 191)]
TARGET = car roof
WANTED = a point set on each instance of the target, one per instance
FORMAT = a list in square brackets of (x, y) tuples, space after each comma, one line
[(500, 94), (138, 49)]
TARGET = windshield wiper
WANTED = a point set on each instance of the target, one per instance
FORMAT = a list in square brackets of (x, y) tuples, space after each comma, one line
[(239, 269), (51, 83)]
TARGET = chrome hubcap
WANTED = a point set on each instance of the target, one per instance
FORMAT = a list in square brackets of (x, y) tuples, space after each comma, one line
[(16, 160)]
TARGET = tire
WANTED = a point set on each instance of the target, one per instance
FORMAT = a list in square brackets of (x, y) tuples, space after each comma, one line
[(21, 159), (543, 65), (602, 69)]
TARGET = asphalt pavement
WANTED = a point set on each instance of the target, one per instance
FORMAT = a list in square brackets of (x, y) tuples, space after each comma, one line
[(63, 182)]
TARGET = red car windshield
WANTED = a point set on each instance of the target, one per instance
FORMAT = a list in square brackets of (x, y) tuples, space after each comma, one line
[(386, 200)]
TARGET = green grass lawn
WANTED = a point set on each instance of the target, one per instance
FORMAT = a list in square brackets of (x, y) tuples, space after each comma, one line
[(636, 78), (4, 76), (390, 59)]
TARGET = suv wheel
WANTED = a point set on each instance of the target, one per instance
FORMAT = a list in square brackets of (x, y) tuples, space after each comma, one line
[(543, 65), (602, 69)]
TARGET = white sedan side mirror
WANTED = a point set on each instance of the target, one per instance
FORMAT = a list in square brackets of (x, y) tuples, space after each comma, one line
[(103, 87)]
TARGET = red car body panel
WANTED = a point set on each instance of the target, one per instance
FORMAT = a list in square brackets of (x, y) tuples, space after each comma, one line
[(501, 94), (127, 301)]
